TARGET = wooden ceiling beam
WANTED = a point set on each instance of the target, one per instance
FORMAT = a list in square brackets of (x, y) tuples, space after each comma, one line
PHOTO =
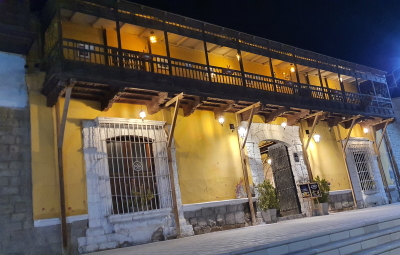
[(192, 106), (184, 39), (154, 105), (275, 114), (296, 117)]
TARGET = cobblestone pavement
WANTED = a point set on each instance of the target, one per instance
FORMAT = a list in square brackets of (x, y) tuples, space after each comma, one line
[(246, 239)]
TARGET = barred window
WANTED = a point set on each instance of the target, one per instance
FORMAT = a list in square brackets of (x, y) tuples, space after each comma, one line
[(362, 158)]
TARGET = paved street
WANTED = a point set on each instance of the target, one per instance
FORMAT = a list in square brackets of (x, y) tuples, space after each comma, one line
[(246, 239)]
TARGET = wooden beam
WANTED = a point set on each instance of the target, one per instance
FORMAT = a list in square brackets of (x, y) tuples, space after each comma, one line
[(190, 108), (249, 121), (381, 170), (340, 144), (255, 58), (258, 104), (171, 132), (316, 120), (173, 100), (154, 105), (60, 142), (275, 114), (294, 119), (246, 177), (184, 39), (305, 154), (383, 133), (218, 112), (110, 99), (353, 122)]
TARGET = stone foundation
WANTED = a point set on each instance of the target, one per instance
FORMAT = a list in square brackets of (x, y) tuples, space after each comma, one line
[(224, 217), (341, 200)]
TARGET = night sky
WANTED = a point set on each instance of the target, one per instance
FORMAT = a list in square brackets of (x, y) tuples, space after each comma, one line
[(361, 31)]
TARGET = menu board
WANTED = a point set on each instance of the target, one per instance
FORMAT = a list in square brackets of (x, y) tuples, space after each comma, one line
[(310, 190)]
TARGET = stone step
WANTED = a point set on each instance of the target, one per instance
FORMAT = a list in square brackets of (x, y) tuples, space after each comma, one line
[(392, 248), (353, 245), (291, 217)]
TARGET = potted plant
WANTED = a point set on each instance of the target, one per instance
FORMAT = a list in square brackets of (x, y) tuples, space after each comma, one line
[(267, 201), (324, 190)]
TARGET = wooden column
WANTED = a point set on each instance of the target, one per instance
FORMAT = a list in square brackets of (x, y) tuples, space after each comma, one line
[(105, 43), (373, 86), (167, 49), (305, 153), (177, 101), (320, 79), (307, 79), (206, 53), (381, 170), (241, 67), (358, 86), (118, 29), (60, 141), (271, 67), (343, 152)]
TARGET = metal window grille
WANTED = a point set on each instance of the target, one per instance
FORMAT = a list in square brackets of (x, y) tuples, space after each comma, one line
[(137, 168), (362, 159)]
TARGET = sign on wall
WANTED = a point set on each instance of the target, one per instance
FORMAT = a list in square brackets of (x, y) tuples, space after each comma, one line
[(310, 190)]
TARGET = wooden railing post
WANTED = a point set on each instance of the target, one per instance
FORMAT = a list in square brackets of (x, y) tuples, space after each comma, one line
[(206, 54), (271, 67), (118, 28), (167, 48)]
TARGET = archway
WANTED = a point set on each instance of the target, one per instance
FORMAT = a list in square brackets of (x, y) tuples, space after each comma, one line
[(289, 137)]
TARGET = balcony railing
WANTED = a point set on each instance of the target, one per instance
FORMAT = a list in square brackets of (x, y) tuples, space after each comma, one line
[(111, 56)]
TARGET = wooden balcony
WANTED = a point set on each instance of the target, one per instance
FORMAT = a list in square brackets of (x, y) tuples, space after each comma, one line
[(15, 32), (106, 74)]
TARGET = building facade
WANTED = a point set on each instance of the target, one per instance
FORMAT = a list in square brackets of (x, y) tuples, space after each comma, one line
[(147, 126)]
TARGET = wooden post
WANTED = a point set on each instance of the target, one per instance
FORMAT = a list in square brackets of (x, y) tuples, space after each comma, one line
[(118, 28), (358, 85), (239, 52), (246, 177), (343, 152), (383, 132), (320, 79), (316, 120), (381, 170), (177, 101), (206, 54), (271, 67), (105, 43), (60, 141), (167, 49), (393, 162), (348, 135), (305, 154)]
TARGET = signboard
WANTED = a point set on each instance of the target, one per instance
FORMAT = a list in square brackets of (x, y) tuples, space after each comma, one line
[(310, 190)]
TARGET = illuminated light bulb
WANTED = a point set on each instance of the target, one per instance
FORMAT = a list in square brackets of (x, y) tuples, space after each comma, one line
[(221, 120), (237, 56), (269, 161), (142, 114), (242, 132), (317, 138), (152, 38), (284, 124), (341, 80), (292, 69), (366, 130)]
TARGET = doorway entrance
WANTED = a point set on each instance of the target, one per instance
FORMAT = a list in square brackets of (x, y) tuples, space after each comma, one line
[(276, 157)]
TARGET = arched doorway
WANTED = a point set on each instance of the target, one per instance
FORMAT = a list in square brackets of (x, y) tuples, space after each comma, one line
[(286, 141), (278, 169)]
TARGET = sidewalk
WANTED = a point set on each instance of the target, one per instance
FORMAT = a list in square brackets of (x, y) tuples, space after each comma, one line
[(247, 239)]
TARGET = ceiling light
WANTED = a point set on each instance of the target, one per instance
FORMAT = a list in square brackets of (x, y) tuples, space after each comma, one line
[(341, 79), (292, 69), (317, 138), (366, 130), (152, 38), (237, 56), (284, 124), (269, 161)]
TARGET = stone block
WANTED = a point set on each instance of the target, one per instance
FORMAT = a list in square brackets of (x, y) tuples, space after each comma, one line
[(4, 181), (339, 236), (18, 217), (15, 181), (220, 210), (215, 229), (7, 139), (9, 173), (109, 245), (207, 211), (89, 248), (193, 221), (220, 220), (189, 215), (201, 221), (198, 213), (211, 221), (239, 217), (82, 241), (240, 207), (6, 209), (198, 230), (207, 229), (231, 208), (230, 218), (10, 190), (344, 197), (95, 231), (96, 239), (338, 206)]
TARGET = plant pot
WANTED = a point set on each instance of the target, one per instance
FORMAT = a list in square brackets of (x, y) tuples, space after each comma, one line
[(269, 216), (325, 208)]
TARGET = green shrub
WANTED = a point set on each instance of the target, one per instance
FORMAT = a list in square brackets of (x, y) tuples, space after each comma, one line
[(323, 188), (267, 196)]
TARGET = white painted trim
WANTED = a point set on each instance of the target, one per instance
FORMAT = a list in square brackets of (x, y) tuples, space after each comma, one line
[(337, 192), (139, 215), (198, 206), (57, 221)]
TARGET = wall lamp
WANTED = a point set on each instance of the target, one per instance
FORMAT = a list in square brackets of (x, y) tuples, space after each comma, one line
[(317, 138)]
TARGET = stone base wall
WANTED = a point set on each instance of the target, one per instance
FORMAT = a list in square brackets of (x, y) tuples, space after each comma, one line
[(341, 201), (219, 218)]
